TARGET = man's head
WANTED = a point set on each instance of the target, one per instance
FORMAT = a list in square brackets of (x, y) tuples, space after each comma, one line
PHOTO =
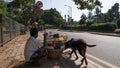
[(34, 32)]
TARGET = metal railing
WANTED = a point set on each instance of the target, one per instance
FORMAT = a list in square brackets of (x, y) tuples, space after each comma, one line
[(9, 29)]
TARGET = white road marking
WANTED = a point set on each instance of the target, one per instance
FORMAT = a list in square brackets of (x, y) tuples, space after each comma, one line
[(104, 62)]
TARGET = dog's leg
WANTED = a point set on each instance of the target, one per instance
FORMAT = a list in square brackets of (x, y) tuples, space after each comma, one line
[(86, 61), (82, 58), (71, 52), (85, 57), (75, 53), (82, 53)]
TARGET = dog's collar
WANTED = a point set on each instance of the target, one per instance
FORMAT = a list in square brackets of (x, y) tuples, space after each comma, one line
[(70, 42)]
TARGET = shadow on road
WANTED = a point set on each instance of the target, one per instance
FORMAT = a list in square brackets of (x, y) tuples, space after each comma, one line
[(63, 62)]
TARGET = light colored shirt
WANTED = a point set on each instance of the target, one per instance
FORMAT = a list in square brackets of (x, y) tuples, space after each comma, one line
[(31, 46)]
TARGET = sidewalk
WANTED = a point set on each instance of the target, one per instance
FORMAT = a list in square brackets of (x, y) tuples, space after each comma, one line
[(11, 56)]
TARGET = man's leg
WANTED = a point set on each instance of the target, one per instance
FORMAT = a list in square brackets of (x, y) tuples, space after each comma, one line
[(37, 56)]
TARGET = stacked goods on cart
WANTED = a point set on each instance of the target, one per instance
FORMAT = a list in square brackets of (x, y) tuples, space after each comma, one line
[(57, 42), (55, 45)]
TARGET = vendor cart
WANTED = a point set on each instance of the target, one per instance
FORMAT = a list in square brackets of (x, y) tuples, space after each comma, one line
[(55, 46)]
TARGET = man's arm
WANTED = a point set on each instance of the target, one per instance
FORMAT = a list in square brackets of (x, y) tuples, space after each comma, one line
[(40, 44)]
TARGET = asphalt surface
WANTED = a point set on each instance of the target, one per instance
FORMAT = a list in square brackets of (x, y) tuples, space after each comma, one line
[(108, 45)]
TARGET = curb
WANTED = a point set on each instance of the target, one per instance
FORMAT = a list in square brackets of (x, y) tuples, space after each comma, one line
[(99, 33), (108, 34)]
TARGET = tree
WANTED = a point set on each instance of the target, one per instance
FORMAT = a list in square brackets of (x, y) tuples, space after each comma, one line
[(83, 19), (52, 16), (98, 10), (84, 4), (105, 17), (98, 3), (113, 13), (89, 18), (3, 7), (89, 4), (118, 23), (20, 3), (21, 10)]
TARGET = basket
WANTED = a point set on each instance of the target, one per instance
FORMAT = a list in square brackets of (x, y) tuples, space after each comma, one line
[(54, 53)]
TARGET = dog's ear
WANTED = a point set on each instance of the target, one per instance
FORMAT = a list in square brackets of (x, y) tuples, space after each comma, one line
[(71, 39)]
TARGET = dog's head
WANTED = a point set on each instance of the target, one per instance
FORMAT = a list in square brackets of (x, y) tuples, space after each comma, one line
[(68, 43)]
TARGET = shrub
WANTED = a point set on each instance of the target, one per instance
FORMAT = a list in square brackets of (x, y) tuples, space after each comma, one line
[(48, 26), (89, 23), (117, 31), (103, 26), (83, 27), (118, 23)]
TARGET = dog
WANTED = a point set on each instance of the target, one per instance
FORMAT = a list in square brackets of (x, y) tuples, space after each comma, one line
[(80, 45)]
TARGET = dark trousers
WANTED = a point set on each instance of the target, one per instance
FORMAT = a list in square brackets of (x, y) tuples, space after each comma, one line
[(38, 55)]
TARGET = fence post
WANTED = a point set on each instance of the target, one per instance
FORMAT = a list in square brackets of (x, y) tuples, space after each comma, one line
[(10, 24), (1, 31)]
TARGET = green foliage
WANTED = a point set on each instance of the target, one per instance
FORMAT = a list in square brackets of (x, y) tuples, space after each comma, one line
[(89, 23), (48, 26), (20, 10), (103, 26), (83, 19), (89, 18), (20, 3), (73, 27), (52, 17), (78, 27), (118, 23), (97, 2), (3, 7), (0, 11), (113, 13), (83, 27), (117, 31), (84, 4)]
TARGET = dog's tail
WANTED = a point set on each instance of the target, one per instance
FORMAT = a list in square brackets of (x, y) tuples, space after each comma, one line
[(91, 45)]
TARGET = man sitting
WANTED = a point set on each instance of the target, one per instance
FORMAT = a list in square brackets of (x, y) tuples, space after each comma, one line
[(34, 49)]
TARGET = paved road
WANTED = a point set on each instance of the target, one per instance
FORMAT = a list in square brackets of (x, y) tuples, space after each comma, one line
[(107, 49)]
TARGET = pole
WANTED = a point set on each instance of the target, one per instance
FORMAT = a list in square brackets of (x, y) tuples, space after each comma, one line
[(45, 35), (1, 31), (70, 10), (70, 18), (39, 5)]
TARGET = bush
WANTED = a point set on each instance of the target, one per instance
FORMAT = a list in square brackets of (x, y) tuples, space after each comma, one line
[(74, 27), (89, 23), (50, 26), (103, 26), (118, 23), (117, 31), (83, 27)]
